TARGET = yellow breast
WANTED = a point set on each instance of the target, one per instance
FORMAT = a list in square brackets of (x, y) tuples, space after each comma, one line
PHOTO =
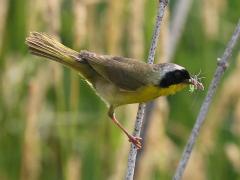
[(115, 96)]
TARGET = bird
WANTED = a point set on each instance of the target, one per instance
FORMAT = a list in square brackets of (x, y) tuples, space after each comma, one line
[(116, 80)]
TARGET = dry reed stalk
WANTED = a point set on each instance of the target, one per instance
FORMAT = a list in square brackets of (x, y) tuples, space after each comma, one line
[(211, 12), (44, 14), (74, 98), (30, 165), (179, 18), (80, 23), (95, 28), (114, 26), (14, 71), (236, 124), (233, 154), (90, 2), (35, 14), (52, 16), (136, 33), (3, 17), (73, 169), (161, 54), (92, 36)]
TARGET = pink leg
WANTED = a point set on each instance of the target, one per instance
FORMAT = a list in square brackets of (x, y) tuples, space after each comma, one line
[(135, 140)]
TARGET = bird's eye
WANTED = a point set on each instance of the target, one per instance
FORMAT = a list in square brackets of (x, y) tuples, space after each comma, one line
[(178, 75), (185, 74)]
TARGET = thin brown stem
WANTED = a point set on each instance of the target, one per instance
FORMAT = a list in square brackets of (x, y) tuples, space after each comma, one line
[(140, 114), (222, 65)]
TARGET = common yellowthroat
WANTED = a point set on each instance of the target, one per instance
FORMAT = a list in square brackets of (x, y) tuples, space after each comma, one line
[(117, 80)]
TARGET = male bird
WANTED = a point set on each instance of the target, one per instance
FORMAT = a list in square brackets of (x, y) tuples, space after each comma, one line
[(117, 80)]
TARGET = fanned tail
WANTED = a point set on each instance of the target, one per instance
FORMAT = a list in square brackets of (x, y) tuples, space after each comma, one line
[(44, 45)]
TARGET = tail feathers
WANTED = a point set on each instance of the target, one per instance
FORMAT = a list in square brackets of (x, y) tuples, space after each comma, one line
[(41, 44), (44, 45)]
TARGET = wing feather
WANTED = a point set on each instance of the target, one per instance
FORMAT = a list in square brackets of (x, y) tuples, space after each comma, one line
[(126, 73)]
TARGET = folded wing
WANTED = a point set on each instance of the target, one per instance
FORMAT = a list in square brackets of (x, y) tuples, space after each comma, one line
[(127, 74)]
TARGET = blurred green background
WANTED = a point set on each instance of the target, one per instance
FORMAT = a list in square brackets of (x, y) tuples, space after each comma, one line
[(53, 126)]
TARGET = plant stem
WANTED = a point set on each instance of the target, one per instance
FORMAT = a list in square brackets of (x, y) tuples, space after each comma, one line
[(180, 14), (177, 25), (161, 9), (221, 67), (140, 114)]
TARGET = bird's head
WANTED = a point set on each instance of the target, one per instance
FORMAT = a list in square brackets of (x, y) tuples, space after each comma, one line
[(174, 78)]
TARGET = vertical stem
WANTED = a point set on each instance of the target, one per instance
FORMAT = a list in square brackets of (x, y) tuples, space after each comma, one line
[(133, 150), (180, 14), (222, 65), (140, 114), (161, 9)]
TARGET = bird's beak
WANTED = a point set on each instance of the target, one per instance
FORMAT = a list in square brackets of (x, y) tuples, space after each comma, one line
[(197, 85)]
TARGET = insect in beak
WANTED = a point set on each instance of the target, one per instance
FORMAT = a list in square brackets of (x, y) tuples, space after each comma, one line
[(197, 84), (194, 84)]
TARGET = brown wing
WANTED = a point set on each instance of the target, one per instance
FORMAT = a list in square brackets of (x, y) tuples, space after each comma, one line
[(127, 74)]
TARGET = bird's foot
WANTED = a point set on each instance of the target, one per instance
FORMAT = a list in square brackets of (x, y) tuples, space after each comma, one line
[(136, 141)]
